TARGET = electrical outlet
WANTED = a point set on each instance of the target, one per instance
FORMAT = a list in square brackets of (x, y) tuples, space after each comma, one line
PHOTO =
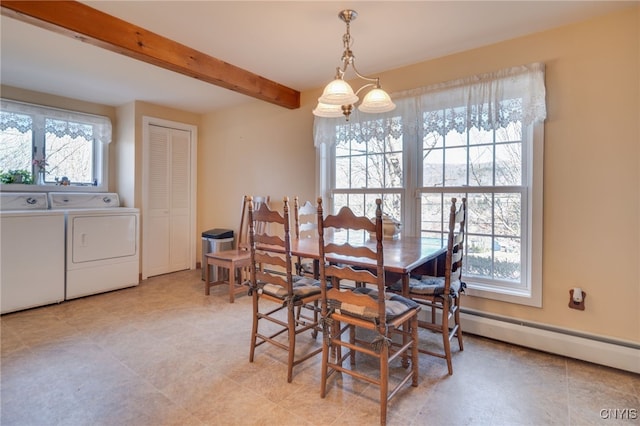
[(576, 298)]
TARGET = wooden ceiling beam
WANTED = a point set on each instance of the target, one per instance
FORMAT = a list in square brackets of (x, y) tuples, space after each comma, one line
[(91, 26)]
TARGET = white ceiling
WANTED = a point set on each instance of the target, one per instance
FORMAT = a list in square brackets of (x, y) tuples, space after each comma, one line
[(295, 43)]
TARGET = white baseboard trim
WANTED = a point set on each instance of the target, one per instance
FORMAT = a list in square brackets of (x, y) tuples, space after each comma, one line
[(604, 351)]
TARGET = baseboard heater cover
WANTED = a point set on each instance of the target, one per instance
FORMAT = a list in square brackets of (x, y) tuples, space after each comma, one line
[(622, 355)]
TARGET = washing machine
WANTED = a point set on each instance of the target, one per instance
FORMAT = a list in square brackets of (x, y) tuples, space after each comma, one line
[(31, 252), (102, 242)]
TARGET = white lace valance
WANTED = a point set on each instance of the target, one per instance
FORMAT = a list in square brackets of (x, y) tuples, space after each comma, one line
[(486, 101), (20, 115)]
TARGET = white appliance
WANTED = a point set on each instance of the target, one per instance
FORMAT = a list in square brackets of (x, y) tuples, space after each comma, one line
[(102, 247), (31, 253)]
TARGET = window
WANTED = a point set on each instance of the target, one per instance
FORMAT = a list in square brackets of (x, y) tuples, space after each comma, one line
[(452, 140), (51, 146), (366, 170)]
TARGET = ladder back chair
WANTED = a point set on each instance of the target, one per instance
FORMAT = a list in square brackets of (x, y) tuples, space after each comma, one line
[(235, 261), (442, 293), (276, 291), (306, 225), (376, 314)]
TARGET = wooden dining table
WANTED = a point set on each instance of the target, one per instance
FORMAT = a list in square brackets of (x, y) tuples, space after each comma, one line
[(402, 255)]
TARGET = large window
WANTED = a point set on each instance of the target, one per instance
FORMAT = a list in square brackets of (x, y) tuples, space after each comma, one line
[(443, 142), (48, 146)]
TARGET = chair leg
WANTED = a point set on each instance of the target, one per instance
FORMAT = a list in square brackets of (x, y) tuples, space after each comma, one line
[(445, 334), (384, 383), (352, 340), (325, 362), (457, 319), (292, 339), (414, 350), (206, 279), (254, 328), (232, 286)]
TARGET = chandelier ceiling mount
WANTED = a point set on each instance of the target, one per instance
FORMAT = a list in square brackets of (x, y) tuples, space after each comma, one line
[(338, 98)]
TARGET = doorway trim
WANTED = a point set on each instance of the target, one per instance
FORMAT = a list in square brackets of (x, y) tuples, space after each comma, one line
[(193, 143)]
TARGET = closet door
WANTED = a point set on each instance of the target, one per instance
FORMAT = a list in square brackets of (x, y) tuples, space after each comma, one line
[(168, 215)]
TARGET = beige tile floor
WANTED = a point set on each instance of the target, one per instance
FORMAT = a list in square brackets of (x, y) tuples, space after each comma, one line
[(162, 353)]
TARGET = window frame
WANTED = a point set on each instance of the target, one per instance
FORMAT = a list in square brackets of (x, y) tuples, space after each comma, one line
[(39, 113), (530, 291)]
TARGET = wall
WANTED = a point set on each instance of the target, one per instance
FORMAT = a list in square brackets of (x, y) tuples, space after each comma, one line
[(592, 184), (256, 149), (124, 160)]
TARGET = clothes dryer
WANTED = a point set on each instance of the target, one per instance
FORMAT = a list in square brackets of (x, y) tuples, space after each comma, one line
[(102, 242)]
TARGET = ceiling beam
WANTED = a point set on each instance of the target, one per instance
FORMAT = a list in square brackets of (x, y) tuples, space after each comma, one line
[(91, 26)]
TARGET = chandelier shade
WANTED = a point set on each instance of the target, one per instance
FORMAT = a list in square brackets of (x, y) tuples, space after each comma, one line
[(338, 97), (338, 92), (328, 111), (377, 101)]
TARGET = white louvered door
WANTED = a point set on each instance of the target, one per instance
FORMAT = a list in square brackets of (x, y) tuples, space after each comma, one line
[(168, 228)]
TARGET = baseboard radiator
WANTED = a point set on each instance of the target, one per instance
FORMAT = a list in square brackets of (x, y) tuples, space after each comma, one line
[(618, 354)]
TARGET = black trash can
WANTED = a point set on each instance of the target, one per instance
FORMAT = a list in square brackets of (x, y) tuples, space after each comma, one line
[(215, 240)]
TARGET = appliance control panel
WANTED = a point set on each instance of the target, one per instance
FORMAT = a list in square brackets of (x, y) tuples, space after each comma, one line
[(81, 200)]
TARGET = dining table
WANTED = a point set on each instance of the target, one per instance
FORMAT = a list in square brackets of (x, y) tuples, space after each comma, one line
[(403, 255)]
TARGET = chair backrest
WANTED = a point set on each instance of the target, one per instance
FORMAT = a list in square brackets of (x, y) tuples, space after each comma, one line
[(306, 221), (243, 232), (352, 267), (455, 245), (270, 245)]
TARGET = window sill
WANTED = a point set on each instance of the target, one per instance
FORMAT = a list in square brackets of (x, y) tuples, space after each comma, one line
[(19, 187), (516, 296)]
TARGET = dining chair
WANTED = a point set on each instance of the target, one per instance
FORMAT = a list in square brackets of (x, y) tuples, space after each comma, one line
[(236, 261), (306, 225), (276, 291), (442, 293), (364, 311)]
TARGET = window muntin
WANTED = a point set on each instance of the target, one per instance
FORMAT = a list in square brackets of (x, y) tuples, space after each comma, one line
[(59, 142)]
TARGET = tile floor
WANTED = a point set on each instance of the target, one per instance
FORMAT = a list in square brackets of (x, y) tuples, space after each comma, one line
[(162, 353)]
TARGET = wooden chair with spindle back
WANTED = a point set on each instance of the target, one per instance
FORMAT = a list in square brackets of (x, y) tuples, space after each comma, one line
[(275, 288), (367, 307), (442, 293)]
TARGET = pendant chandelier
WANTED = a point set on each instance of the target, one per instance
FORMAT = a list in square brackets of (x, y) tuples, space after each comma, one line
[(338, 98)]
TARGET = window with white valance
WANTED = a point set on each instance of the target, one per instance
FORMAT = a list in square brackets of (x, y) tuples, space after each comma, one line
[(53, 146), (479, 137)]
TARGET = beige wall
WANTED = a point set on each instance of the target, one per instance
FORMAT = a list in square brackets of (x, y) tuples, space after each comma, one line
[(591, 181), (257, 149)]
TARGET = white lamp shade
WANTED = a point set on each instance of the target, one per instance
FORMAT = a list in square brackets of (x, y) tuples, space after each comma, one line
[(338, 92), (376, 101), (328, 111)]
